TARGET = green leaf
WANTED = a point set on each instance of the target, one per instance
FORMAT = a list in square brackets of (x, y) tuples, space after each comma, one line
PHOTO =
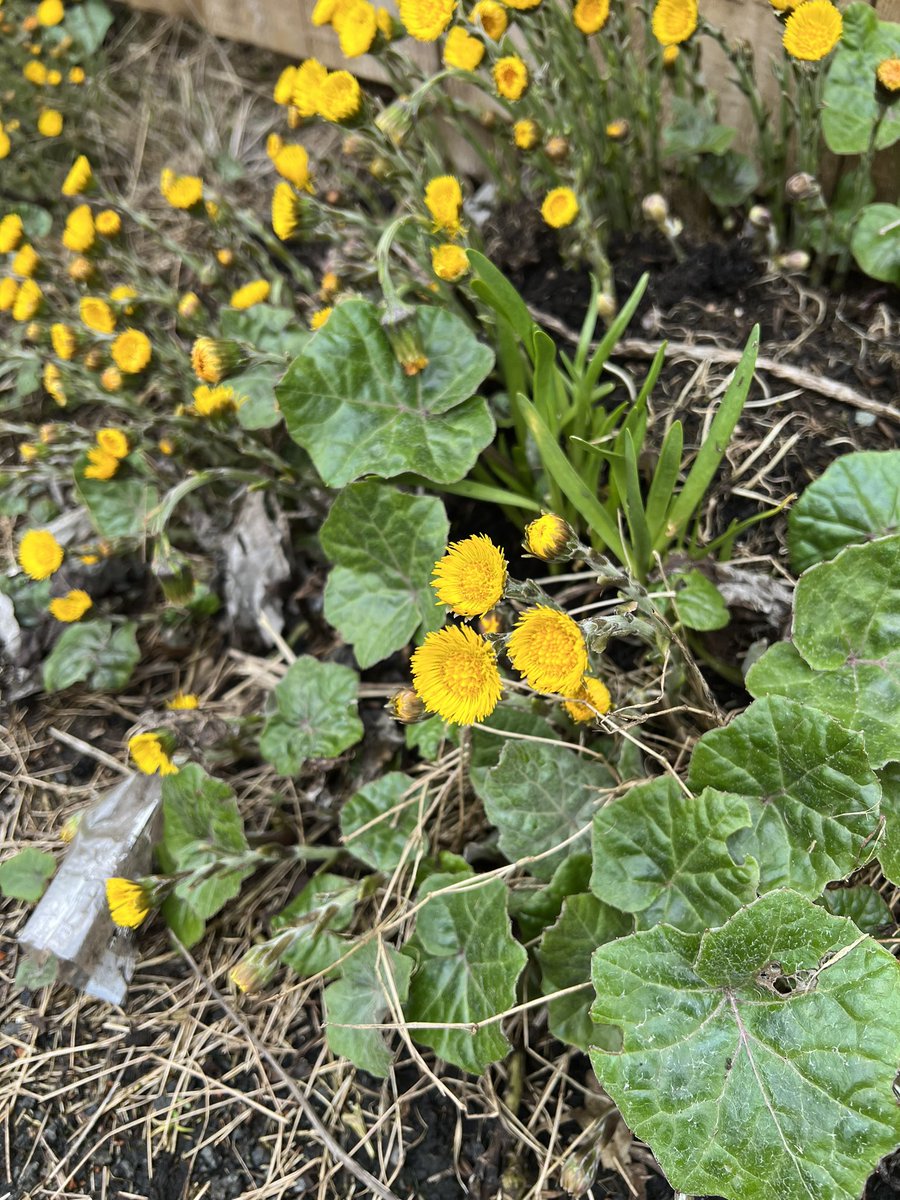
[(348, 403), (534, 908), (427, 737), (322, 910), (117, 507), (183, 920), (862, 904), (35, 972), (486, 748), (492, 286), (564, 955), (263, 326), (846, 654), (850, 104), (664, 855), (468, 967), (889, 843), (694, 130), (664, 479), (699, 602), (26, 874), (728, 179), (539, 795), (857, 499), (36, 221), (363, 995), (315, 715), (202, 826), (87, 24), (387, 811), (813, 798), (255, 389), (876, 242), (742, 1090), (384, 544), (95, 653)]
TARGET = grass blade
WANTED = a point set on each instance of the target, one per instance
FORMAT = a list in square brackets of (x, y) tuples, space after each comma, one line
[(665, 477)]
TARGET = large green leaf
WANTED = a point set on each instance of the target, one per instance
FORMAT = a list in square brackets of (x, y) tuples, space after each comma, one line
[(539, 795), (320, 911), (757, 1060), (813, 798), (384, 545), (664, 855), (865, 907), (379, 821), (851, 106), (201, 827), (25, 875), (856, 499), (468, 967), (876, 242), (92, 652), (87, 24), (362, 996), (564, 955), (347, 401), (533, 908), (846, 654), (117, 507), (889, 843), (507, 718), (315, 715)]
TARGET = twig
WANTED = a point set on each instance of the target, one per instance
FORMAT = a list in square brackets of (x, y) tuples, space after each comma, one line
[(75, 743)]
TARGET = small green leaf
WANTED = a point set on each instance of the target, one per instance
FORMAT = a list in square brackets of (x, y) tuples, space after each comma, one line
[(468, 967), (201, 827), (486, 748), (862, 904), (33, 973), (92, 652), (322, 910), (564, 955), (813, 798), (742, 1088), (857, 499), (315, 715), (876, 242), (384, 544), (728, 179), (255, 389), (87, 24), (117, 507), (539, 795), (36, 220), (850, 104), (664, 855), (534, 908), (387, 812), (261, 326), (26, 874), (369, 985), (694, 130), (699, 602), (427, 737), (347, 401), (183, 920)]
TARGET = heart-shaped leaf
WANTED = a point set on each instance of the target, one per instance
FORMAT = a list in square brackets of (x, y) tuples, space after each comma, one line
[(865, 907), (315, 715), (850, 103), (876, 242), (25, 875), (379, 821), (369, 981), (92, 652), (320, 911)]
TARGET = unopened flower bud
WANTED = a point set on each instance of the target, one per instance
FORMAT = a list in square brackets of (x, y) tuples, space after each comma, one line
[(655, 208), (802, 187), (406, 707), (255, 969), (794, 260), (490, 624), (401, 326), (174, 574), (396, 120), (760, 217), (606, 306), (618, 130), (551, 539), (580, 1169), (557, 149)]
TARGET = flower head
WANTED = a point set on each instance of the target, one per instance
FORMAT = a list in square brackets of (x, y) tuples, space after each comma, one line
[(131, 351), (213, 359), (150, 755), (251, 293), (307, 86), (50, 123), (9, 288), (443, 199), (406, 707), (356, 25), (78, 235), (471, 577), (548, 648), (285, 211), (340, 97), (674, 21), (50, 12), (320, 317), (560, 207), (76, 75), (28, 301), (525, 134), (592, 701), (181, 191), (63, 340), (80, 269), (96, 314), (426, 20), (111, 379), (101, 464), (40, 555), (70, 607), (590, 15), (129, 902), (455, 675), (449, 262), (182, 702), (510, 77), (53, 383), (292, 163), (491, 17), (813, 30), (113, 441), (26, 262), (11, 232), (283, 91), (550, 538), (213, 401), (887, 74), (462, 50), (108, 223)]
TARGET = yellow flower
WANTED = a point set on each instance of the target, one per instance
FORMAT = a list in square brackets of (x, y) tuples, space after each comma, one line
[(471, 577), (215, 358), (449, 262), (40, 555), (525, 134), (590, 15), (593, 700), (292, 163), (122, 293), (93, 360), (213, 401), (813, 30), (522, 5), (491, 17), (426, 20), (674, 21), (108, 223), (54, 78), (80, 269), (670, 55), (79, 178), (111, 379), (406, 707), (618, 129), (340, 97), (78, 235), (274, 142), (330, 285), (96, 314), (11, 232), (9, 288), (166, 447), (52, 381), (70, 607), (547, 647), (356, 26), (284, 86), (309, 79), (182, 701), (385, 23), (188, 305), (35, 72), (76, 75), (225, 257), (455, 675), (560, 207), (320, 317), (50, 12), (785, 5), (26, 262), (50, 123), (128, 902), (251, 293), (63, 341), (181, 191), (490, 624), (285, 211), (101, 465), (324, 12), (550, 538), (131, 351), (888, 74), (510, 77), (28, 452), (113, 441), (150, 756), (5, 143), (443, 199), (461, 50), (28, 300)]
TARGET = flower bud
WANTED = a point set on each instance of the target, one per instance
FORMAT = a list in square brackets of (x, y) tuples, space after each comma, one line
[(760, 217), (557, 149), (794, 260), (580, 1169), (396, 120), (214, 359), (173, 573), (401, 326), (255, 969), (655, 208), (802, 187), (406, 707), (618, 130), (551, 539)]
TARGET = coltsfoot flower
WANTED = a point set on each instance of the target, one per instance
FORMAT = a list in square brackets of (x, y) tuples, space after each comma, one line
[(813, 30), (150, 755), (182, 702), (26, 262), (550, 538), (96, 314), (108, 223), (443, 199), (181, 191), (11, 232), (340, 97), (28, 301), (356, 25), (129, 902), (320, 317), (590, 15), (101, 464), (79, 233), (887, 74), (308, 80), (674, 21), (40, 555), (285, 211), (113, 441), (426, 20), (525, 134), (462, 50), (213, 359), (213, 401), (63, 341), (510, 77), (471, 577), (406, 706), (255, 292), (292, 163), (491, 17), (449, 262), (70, 607), (593, 700), (547, 647), (560, 207), (53, 384), (50, 123), (455, 675), (131, 351)]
